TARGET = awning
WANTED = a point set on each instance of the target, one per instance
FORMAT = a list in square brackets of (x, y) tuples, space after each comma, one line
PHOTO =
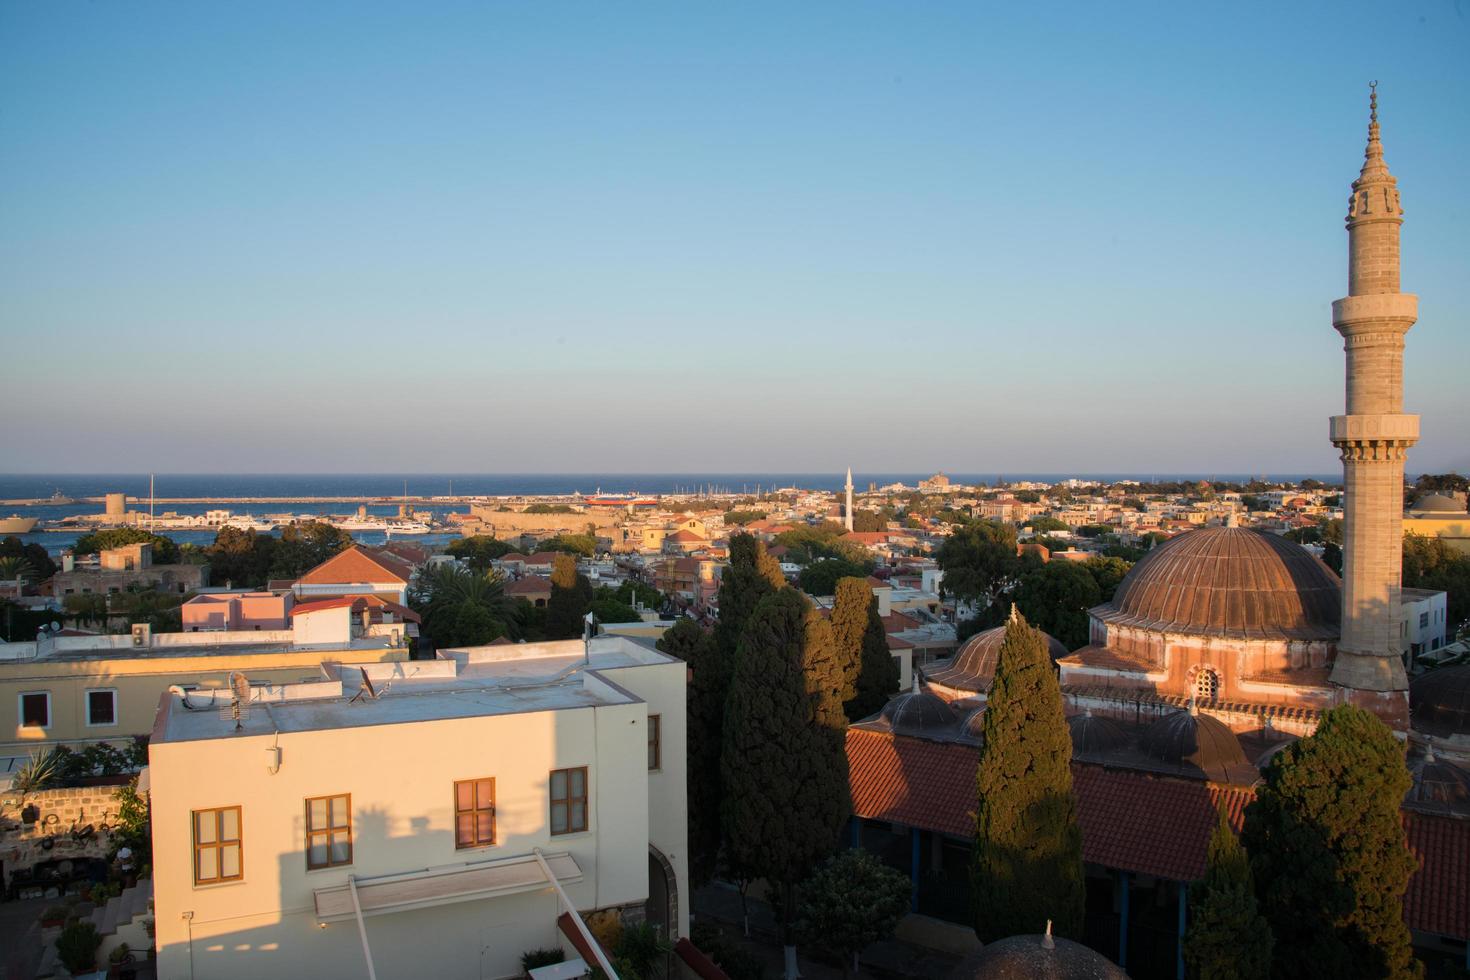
[(444, 886)]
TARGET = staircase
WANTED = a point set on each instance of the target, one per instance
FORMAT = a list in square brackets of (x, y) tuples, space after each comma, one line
[(122, 920)]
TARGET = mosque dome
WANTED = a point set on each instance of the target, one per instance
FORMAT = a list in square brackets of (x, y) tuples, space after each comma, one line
[(1264, 759), (1230, 581), (1095, 736), (1436, 503), (1439, 702), (1192, 741), (919, 713), (973, 724), (1438, 785), (972, 668), (1036, 958)]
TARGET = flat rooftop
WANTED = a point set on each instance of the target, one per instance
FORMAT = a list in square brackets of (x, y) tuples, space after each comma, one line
[(463, 683)]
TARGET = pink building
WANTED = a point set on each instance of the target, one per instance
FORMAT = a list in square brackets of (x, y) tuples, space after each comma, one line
[(237, 611)]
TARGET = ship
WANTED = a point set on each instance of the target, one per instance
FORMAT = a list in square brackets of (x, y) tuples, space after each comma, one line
[(601, 499), (244, 522), (409, 527), (15, 524), (360, 524)]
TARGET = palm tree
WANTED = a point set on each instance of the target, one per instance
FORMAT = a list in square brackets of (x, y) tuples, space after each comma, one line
[(14, 567), (440, 592)]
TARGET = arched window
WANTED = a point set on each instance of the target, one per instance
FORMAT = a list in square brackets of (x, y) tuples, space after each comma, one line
[(1206, 684)]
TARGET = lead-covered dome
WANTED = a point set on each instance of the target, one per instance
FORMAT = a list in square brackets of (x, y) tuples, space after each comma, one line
[(1193, 743), (1036, 958), (1436, 503), (919, 713), (1439, 702), (1230, 581), (1094, 736), (972, 668)]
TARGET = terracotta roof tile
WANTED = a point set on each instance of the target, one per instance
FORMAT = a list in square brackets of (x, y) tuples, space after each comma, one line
[(357, 564)]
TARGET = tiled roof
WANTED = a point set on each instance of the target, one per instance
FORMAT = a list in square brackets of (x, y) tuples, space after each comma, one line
[(1096, 655), (1132, 821), (357, 564), (357, 603), (530, 585)]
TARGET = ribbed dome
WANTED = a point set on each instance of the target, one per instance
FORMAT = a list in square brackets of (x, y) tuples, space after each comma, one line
[(919, 713), (1229, 580), (1028, 958), (1264, 759), (973, 725), (1439, 702), (1438, 785), (1195, 742), (972, 668), (1436, 503), (1095, 736)]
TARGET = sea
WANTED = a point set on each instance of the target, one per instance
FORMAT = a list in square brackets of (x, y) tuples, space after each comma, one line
[(386, 485)]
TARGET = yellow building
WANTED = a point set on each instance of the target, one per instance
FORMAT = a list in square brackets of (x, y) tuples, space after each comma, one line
[(1438, 516)]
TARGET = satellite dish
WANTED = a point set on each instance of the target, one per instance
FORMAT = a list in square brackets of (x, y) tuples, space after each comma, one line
[(55, 626)]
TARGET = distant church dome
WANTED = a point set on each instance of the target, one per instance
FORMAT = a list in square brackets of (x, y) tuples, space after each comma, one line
[(1231, 581), (1031, 958), (919, 713), (972, 668), (1436, 503), (1439, 702), (1094, 736), (1193, 742)]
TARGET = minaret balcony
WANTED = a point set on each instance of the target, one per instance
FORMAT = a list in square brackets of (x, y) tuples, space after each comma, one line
[(1374, 428), (1375, 308)]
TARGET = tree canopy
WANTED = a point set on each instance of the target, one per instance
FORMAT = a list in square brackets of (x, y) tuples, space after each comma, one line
[(853, 901), (165, 550), (464, 607), (245, 558), (1429, 563), (979, 561), (1328, 853), (821, 576), (34, 555), (479, 550), (705, 698), (743, 517), (571, 599), (1228, 938), (1027, 864), (572, 544), (863, 643)]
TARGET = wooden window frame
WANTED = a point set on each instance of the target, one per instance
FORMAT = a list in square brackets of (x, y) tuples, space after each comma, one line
[(568, 801), (20, 706), (218, 843), (655, 743), (88, 707), (474, 812), (327, 832)]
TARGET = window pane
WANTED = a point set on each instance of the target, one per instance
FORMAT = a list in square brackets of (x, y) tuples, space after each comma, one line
[(204, 827), (100, 708), (316, 854), (464, 796), (485, 830), (316, 814), (33, 711), (558, 818), (229, 861), (341, 849), (340, 817), (579, 782), (229, 824), (559, 785), (208, 864), (485, 793), (464, 830), (579, 816)]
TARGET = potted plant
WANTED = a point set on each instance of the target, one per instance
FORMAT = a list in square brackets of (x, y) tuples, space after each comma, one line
[(121, 965), (77, 947), (53, 916)]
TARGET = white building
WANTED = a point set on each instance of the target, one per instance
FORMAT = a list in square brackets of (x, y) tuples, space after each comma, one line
[(402, 813), (1423, 621)]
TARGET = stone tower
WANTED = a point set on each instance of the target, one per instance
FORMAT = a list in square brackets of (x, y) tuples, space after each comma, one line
[(1373, 437), (849, 498)]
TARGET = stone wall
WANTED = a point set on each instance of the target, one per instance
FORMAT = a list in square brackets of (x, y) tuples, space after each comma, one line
[(24, 845)]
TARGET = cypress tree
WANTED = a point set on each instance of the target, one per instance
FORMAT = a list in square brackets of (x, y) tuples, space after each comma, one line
[(1328, 852), (750, 577), (864, 644), (571, 597), (1027, 865), (784, 764), (1228, 938), (705, 698)]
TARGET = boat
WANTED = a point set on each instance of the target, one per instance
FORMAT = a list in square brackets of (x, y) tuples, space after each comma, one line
[(409, 527), (244, 522), (601, 499), (15, 524), (360, 524)]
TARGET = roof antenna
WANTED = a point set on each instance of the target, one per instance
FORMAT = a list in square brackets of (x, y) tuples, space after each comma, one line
[(239, 709), (1046, 941)]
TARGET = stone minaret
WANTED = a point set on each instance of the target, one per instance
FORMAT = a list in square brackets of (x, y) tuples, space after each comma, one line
[(849, 498), (1373, 437)]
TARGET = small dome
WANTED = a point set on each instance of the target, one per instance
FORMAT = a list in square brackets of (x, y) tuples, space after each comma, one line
[(1264, 759), (972, 668), (1436, 503), (1029, 958), (918, 713), (1195, 742), (1230, 581), (1095, 736), (1439, 702), (973, 725), (1438, 785)]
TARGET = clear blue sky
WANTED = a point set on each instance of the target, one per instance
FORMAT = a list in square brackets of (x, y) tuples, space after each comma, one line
[(721, 237)]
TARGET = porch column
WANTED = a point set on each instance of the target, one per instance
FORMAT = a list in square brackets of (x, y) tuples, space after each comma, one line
[(1183, 918)]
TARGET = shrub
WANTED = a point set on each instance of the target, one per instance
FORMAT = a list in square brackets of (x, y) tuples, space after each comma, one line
[(541, 957), (77, 947)]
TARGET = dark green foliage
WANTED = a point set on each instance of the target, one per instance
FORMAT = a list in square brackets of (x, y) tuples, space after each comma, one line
[(34, 555), (159, 608), (1055, 597), (784, 764), (608, 609), (859, 634), (851, 903), (743, 517), (1441, 483), (1328, 853), (77, 946), (726, 951), (571, 598), (165, 551), (820, 577), (1042, 523), (479, 550), (75, 767), (867, 520), (1429, 563), (751, 576), (19, 624), (584, 545), (852, 597), (641, 948), (550, 509), (630, 591), (979, 561), (1228, 938), (462, 607), (244, 558), (1028, 848), (130, 827), (704, 720), (1108, 573), (807, 544), (541, 957)]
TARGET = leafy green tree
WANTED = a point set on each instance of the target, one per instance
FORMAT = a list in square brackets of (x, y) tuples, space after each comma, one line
[(1027, 864), (630, 592), (850, 605), (784, 764), (304, 546), (820, 577), (979, 562), (241, 557), (1328, 852), (443, 595), (550, 509), (807, 544), (571, 598), (704, 718), (479, 550), (33, 554), (867, 520), (1055, 598), (609, 609), (13, 569), (1043, 523), (1429, 563), (1228, 938), (853, 901), (474, 626), (1441, 483), (1108, 572), (572, 544), (158, 608), (743, 517), (165, 551)]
